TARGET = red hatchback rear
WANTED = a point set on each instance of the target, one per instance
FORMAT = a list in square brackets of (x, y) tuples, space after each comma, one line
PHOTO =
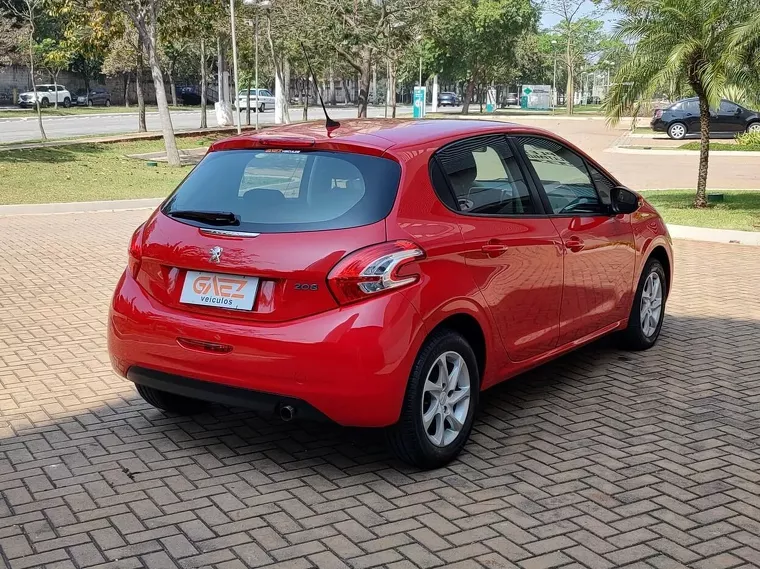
[(382, 274)]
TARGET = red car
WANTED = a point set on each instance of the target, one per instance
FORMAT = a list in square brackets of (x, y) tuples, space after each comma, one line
[(382, 274)]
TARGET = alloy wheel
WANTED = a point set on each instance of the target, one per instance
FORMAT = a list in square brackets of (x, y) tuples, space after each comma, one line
[(650, 311), (446, 399)]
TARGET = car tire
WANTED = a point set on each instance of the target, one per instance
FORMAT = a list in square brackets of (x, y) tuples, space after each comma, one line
[(428, 400), (66, 103), (44, 103), (648, 311), (753, 126), (90, 103), (262, 107), (108, 102), (171, 402), (677, 131)]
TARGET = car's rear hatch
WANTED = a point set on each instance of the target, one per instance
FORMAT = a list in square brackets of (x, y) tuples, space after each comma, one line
[(253, 233)]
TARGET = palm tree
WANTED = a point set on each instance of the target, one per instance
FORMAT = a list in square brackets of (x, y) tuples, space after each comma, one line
[(699, 42)]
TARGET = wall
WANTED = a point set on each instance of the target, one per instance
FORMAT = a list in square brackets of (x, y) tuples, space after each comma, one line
[(17, 77)]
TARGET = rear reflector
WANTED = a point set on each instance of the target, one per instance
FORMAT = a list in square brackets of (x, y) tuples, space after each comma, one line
[(200, 346)]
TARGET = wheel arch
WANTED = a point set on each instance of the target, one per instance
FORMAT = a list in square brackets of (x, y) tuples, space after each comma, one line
[(470, 329), (661, 254)]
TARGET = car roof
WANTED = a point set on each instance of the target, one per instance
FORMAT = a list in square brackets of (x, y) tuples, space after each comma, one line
[(378, 134)]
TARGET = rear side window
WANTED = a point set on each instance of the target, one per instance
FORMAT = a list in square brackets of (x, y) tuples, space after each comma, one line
[(483, 176), (289, 191)]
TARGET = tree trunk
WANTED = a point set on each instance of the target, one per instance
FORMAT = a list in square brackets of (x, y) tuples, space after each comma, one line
[(173, 89), (139, 82), (392, 88), (248, 103), (700, 200), (43, 136), (204, 123), (365, 76), (374, 84), (126, 89), (346, 92), (55, 92), (307, 84), (468, 96), (332, 87), (281, 80), (150, 33), (569, 90)]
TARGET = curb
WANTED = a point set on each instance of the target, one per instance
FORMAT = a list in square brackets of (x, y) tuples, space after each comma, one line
[(659, 152), (80, 207), (731, 236)]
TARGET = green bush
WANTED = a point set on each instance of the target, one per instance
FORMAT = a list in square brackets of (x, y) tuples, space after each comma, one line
[(748, 139)]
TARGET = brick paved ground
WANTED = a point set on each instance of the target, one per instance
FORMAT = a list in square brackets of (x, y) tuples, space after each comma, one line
[(603, 459)]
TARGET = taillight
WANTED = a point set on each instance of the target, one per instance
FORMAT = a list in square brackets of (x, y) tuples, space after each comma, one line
[(658, 113), (374, 270), (135, 252)]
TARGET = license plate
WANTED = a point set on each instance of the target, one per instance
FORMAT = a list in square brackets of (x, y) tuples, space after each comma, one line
[(219, 290)]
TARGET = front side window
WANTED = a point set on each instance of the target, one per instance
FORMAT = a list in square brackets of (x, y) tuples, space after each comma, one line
[(277, 191), (484, 177), (564, 177), (728, 108)]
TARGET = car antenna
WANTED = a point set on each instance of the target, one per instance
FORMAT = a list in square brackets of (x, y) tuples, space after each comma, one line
[(329, 123)]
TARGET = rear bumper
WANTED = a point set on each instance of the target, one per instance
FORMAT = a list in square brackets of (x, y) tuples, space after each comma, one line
[(351, 364), (658, 125), (265, 403)]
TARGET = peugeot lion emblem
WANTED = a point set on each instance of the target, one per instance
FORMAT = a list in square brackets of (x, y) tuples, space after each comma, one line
[(216, 254)]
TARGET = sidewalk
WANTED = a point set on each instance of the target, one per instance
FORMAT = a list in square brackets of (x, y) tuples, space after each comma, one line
[(676, 231), (154, 135)]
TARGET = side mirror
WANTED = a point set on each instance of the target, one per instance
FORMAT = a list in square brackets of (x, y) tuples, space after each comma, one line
[(623, 200)]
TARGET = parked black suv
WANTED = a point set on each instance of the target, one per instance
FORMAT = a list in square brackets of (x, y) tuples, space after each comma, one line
[(682, 119)]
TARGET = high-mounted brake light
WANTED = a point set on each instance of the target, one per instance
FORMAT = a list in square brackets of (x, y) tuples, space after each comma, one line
[(135, 252), (374, 270)]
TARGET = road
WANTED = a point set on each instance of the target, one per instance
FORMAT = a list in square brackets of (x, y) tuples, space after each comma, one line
[(22, 129)]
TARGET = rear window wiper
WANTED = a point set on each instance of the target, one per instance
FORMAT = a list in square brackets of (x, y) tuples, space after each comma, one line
[(211, 217)]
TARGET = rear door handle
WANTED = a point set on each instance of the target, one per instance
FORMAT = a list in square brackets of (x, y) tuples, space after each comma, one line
[(575, 244), (494, 247)]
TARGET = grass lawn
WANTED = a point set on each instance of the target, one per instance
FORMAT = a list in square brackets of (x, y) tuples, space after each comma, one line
[(644, 130), (740, 210), (722, 146), (88, 172)]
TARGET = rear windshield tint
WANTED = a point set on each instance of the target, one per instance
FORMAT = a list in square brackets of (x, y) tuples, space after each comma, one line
[(277, 191)]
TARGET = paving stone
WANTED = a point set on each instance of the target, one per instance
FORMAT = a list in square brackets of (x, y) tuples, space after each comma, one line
[(601, 459)]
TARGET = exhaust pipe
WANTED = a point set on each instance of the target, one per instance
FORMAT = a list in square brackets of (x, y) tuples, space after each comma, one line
[(287, 412)]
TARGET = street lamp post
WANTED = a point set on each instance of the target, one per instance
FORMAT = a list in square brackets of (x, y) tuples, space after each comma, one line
[(256, 4)]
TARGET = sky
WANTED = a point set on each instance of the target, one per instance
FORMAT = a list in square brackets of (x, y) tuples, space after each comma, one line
[(549, 20)]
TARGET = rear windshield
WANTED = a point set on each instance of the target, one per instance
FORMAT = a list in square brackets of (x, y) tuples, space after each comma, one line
[(277, 191)]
